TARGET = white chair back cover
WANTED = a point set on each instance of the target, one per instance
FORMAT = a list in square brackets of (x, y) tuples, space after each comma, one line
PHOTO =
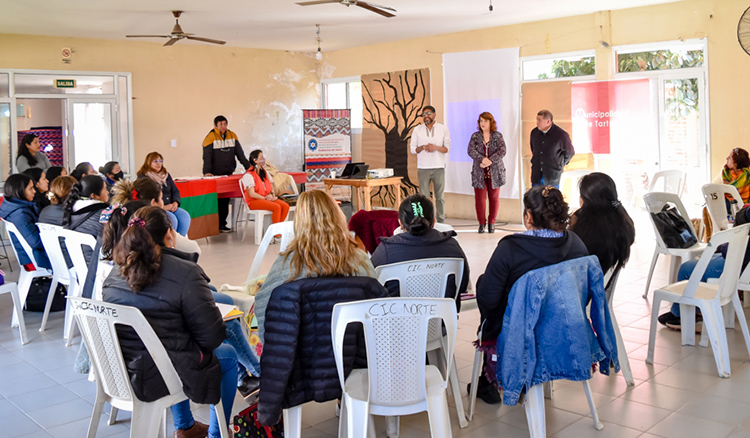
[(669, 181), (714, 195), (74, 242), (286, 229), (50, 235), (654, 203)]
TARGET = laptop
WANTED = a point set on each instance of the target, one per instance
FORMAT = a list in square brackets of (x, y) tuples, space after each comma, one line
[(355, 171)]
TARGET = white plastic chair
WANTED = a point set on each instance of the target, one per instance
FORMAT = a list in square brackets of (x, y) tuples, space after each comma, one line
[(429, 278), (714, 195), (708, 297), (286, 229), (259, 216), (574, 176), (97, 321), (25, 277), (397, 381), (654, 202), (74, 242), (610, 279), (668, 181), (50, 235), (12, 289)]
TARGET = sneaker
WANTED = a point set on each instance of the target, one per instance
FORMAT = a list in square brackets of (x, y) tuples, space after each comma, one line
[(198, 430), (486, 391), (669, 317), (225, 229), (248, 385), (675, 324)]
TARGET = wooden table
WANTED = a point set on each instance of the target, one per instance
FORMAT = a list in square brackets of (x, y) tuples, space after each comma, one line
[(363, 187)]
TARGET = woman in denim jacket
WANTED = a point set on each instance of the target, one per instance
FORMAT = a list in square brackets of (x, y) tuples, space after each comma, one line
[(545, 242)]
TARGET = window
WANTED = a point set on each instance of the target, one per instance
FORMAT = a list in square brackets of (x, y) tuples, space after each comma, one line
[(667, 57), (557, 66), (344, 93)]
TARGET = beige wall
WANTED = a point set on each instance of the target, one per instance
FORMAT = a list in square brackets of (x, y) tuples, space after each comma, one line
[(729, 66), (178, 90)]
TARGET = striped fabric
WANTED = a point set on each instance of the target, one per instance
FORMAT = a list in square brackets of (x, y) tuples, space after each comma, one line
[(200, 200)]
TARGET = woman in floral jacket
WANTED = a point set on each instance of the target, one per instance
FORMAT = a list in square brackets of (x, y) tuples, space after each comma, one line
[(487, 149)]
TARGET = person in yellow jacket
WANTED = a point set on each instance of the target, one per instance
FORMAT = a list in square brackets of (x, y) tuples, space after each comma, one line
[(220, 147)]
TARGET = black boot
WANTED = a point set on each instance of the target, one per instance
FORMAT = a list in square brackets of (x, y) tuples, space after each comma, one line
[(481, 229), (486, 391), (491, 228)]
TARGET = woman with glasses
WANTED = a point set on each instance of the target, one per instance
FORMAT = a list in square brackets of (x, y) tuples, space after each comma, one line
[(487, 149), (154, 168)]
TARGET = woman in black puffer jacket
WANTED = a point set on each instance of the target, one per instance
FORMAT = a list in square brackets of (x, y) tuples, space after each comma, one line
[(172, 293)]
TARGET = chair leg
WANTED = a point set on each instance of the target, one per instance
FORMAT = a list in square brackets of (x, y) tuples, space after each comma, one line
[(292, 422), (714, 326), (392, 427), (652, 331), (534, 407), (728, 314), (456, 390), (219, 408), (587, 389), (742, 320), (477, 369), (98, 408), (258, 229), (113, 416), (651, 272), (48, 304), (145, 420), (18, 310), (621, 353), (687, 324), (24, 283), (358, 418), (439, 416)]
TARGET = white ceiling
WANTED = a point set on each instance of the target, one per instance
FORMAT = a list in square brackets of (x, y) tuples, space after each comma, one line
[(281, 24)]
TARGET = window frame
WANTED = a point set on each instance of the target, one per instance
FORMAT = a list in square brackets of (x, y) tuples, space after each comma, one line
[(345, 80), (555, 56)]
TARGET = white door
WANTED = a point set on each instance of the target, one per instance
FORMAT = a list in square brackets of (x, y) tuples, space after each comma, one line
[(92, 131)]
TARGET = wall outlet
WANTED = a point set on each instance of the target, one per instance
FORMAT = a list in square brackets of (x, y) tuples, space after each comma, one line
[(174, 143)]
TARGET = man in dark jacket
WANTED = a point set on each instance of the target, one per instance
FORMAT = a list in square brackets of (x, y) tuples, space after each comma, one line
[(220, 147), (551, 150)]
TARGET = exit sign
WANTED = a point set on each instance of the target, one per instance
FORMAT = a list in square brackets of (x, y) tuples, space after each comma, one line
[(65, 83)]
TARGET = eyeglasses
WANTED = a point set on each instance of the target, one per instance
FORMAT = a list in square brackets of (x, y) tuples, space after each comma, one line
[(427, 113), (158, 161)]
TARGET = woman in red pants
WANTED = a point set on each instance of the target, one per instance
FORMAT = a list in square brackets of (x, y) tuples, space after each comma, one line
[(487, 149), (259, 189)]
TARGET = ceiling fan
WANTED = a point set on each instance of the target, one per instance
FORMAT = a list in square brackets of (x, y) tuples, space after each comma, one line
[(177, 34), (382, 10)]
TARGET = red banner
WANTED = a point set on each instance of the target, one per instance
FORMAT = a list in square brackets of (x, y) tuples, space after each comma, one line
[(602, 109)]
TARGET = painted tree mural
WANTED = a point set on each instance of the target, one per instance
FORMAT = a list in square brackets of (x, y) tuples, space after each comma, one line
[(392, 105)]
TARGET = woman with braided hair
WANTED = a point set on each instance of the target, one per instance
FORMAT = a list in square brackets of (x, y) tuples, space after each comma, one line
[(420, 240), (545, 242)]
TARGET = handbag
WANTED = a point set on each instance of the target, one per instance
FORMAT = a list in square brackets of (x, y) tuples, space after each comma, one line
[(246, 425), (37, 297), (673, 228)]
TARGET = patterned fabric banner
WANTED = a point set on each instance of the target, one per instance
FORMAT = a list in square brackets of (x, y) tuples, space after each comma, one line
[(327, 136)]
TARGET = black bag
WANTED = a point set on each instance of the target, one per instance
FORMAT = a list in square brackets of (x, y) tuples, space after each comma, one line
[(37, 298), (246, 425), (673, 228)]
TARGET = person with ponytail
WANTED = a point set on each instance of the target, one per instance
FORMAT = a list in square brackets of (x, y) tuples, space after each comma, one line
[(41, 186), (20, 209), (84, 205), (83, 169), (172, 292), (30, 154), (545, 242), (602, 222), (59, 191), (154, 169), (420, 240), (55, 171), (259, 189)]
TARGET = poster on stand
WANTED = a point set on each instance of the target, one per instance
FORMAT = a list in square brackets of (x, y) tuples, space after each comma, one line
[(328, 147)]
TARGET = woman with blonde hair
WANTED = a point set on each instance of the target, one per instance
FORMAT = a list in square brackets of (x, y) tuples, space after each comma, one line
[(322, 247), (153, 168)]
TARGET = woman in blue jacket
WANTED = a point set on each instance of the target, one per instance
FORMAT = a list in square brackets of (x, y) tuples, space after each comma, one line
[(20, 209), (154, 168)]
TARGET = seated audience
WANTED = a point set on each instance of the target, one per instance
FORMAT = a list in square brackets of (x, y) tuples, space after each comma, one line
[(737, 173), (416, 216), (259, 189), (172, 293), (55, 171), (20, 209), (83, 169), (41, 186), (59, 190), (322, 247), (602, 222), (30, 155), (117, 217), (154, 169), (546, 242)]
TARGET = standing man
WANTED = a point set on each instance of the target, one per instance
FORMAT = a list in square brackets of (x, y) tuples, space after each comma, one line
[(220, 147), (551, 150), (430, 142)]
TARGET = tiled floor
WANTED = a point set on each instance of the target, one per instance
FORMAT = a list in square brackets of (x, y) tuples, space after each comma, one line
[(679, 396)]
